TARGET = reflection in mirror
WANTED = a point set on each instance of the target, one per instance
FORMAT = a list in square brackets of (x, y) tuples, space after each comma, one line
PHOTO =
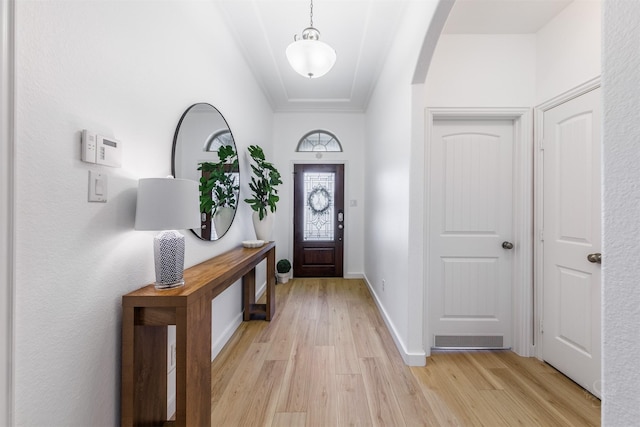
[(204, 151)]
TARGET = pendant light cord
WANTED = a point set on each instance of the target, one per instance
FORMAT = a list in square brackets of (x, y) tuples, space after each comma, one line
[(311, 13)]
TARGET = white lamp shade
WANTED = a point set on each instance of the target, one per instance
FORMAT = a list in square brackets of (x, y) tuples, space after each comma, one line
[(167, 204), (311, 58)]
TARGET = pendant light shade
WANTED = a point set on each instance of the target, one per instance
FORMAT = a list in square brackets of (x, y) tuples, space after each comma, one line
[(309, 56)]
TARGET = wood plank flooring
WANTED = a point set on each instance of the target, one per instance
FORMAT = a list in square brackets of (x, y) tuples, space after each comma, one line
[(327, 359)]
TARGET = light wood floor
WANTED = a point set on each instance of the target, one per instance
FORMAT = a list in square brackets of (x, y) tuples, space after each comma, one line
[(327, 359)]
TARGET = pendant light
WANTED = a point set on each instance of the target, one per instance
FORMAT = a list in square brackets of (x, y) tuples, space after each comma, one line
[(309, 56)]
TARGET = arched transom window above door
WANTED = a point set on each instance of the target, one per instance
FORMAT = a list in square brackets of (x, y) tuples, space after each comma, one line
[(319, 140)]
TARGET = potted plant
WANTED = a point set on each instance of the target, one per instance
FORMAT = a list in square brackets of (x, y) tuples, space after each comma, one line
[(219, 188), (283, 267), (263, 184)]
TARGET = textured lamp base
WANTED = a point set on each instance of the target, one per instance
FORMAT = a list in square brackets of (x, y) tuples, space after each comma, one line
[(168, 248)]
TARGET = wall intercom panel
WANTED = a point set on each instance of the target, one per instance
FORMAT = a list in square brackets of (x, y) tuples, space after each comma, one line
[(101, 150), (88, 146)]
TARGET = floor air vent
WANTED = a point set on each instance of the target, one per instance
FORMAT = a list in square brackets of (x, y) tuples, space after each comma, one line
[(469, 342)]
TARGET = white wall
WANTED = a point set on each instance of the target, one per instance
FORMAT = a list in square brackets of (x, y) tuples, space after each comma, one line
[(517, 70), (482, 70), (127, 70), (349, 129), (388, 173), (568, 49), (621, 234)]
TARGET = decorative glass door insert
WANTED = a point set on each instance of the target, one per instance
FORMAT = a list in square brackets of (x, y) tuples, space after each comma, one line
[(319, 212)]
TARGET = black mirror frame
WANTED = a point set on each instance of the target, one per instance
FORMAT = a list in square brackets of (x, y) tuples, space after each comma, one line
[(173, 159)]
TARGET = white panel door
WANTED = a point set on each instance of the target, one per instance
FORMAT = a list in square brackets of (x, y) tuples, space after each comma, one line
[(571, 303), (470, 217)]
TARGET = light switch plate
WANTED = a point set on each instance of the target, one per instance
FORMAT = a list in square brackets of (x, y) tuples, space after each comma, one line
[(97, 187)]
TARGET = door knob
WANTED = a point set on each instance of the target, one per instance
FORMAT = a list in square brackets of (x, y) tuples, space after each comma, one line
[(507, 245), (595, 258)]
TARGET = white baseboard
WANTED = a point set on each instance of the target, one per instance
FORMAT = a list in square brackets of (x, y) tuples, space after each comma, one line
[(261, 289), (410, 359), (217, 346), (354, 276)]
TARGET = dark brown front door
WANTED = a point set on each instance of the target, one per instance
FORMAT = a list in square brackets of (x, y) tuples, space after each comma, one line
[(318, 227)]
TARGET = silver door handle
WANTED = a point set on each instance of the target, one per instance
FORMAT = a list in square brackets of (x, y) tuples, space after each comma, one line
[(507, 245), (595, 258)]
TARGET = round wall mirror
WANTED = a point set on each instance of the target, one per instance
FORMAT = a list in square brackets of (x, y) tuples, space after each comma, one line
[(204, 151)]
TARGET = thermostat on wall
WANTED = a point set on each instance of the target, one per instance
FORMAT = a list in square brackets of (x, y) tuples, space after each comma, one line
[(101, 150)]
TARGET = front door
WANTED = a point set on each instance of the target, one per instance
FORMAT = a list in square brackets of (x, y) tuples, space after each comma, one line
[(318, 228), (470, 233), (571, 239)]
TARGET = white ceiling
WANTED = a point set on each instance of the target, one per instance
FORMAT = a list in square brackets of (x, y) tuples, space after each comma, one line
[(361, 32)]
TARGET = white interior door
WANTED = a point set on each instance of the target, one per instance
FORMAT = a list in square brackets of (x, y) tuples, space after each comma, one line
[(471, 190), (571, 221)]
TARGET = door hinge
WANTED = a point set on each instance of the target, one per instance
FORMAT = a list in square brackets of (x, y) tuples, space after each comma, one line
[(541, 327), (541, 145), (542, 235)]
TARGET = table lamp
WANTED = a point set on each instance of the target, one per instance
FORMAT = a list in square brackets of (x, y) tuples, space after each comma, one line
[(168, 204)]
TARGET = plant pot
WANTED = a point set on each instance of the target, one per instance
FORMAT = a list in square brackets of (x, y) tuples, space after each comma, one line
[(222, 220), (283, 277), (264, 227)]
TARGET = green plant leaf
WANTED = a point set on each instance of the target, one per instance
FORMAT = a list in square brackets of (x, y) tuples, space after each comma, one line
[(263, 183)]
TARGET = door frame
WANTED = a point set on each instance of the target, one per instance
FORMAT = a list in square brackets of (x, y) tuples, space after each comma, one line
[(337, 243), (7, 192), (345, 241), (538, 225), (522, 273)]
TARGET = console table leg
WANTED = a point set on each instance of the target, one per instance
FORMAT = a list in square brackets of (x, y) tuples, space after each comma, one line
[(128, 371), (193, 364), (150, 356), (144, 373), (248, 293), (271, 283)]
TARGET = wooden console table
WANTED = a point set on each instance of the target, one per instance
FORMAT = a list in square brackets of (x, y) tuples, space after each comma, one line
[(145, 316)]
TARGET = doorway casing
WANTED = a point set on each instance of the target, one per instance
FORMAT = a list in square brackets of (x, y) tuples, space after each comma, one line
[(7, 128), (522, 275), (347, 195)]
